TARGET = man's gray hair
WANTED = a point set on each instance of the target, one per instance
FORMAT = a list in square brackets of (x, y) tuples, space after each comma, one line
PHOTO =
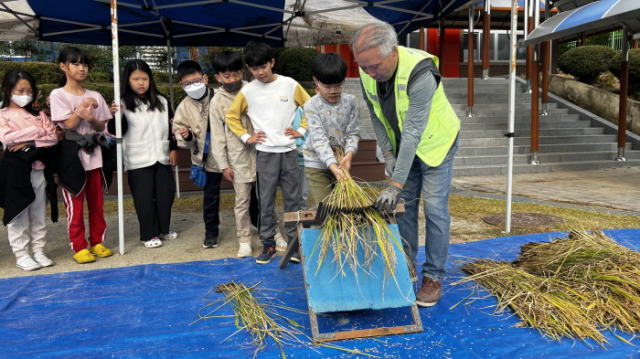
[(377, 34)]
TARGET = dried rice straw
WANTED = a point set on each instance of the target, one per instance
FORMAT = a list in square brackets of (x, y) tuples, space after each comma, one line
[(572, 287), (340, 233), (260, 320)]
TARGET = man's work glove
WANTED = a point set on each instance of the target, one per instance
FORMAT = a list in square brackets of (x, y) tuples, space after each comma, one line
[(388, 199), (389, 162)]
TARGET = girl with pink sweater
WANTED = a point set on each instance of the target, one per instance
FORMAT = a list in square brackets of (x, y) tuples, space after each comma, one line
[(24, 129)]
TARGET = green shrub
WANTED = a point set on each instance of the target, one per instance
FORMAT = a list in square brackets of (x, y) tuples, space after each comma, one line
[(163, 77), (586, 63), (106, 90), (43, 72), (296, 62), (634, 69)]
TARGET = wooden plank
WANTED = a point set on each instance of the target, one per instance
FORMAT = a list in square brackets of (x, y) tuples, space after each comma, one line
[(308, 217)]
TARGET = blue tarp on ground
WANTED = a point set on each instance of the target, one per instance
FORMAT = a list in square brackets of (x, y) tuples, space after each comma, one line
[(145, 311)]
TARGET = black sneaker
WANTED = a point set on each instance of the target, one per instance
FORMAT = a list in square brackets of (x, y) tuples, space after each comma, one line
[(268, 252), (295, 258), (210, 241)]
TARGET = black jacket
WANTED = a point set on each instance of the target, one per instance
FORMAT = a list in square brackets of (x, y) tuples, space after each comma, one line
[(16, 192), (71, 174)]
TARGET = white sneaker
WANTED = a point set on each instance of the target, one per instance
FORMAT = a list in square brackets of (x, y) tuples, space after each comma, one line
[(42, 259), (281, 244), (170, 235), (27, 263), (244, 250)]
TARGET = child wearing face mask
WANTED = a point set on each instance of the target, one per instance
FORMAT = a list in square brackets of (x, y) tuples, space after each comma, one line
[(149, 151), (82, 113), (26, 135), (191, 125)]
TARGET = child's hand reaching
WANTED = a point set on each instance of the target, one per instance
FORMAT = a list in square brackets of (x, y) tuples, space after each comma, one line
[(292, 133), (113, 108), (338, 172), (346, 161)]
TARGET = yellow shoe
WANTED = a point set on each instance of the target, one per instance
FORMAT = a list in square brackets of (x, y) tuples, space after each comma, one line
[(101, 251), (84, 256)]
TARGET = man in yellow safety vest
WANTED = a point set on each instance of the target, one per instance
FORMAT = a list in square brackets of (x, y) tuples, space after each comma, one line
[(417, 131)]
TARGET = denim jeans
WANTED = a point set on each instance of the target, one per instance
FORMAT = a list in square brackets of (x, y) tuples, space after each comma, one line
[(434, 183)]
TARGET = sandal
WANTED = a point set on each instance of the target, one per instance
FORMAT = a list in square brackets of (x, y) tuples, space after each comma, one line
[(153, 243)]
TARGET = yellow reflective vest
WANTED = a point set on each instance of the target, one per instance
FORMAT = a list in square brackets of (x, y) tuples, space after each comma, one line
[(443, 125)]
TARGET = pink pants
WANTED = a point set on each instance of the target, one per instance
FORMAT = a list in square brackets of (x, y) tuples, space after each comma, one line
[(75, 220)]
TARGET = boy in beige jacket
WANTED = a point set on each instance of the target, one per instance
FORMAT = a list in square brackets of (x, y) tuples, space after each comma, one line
[(236, 159)]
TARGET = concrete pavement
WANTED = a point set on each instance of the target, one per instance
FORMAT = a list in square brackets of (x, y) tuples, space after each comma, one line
[(614, 190)]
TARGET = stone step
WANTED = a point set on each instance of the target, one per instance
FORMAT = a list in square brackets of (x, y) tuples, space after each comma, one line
[(551, 148), (497, 141), (541, 168), (543, 132), (519, 120), (501, 124), (525, 158)]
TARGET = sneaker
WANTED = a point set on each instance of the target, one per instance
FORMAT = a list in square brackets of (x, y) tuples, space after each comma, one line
[(154, 242), (429, 293), (281, 244), (42, 259), (210, 241), (295, 258), (268, 252), (169, 235), (244, 250), (100, 250), (84, 256), (27, 263)]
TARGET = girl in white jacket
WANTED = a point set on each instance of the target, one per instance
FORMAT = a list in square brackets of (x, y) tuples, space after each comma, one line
[(149, 152)]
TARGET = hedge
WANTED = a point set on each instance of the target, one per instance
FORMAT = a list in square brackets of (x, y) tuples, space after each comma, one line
[(296, 62), (586, 63), (634, 69), (43, 72)]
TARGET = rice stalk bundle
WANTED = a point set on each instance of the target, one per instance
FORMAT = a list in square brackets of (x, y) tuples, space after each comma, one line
[(589, 278), (260, 320), (607, 273), (544, 304), (353, 226)]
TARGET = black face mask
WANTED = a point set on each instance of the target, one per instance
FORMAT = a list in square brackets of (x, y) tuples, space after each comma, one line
[(232, 86)]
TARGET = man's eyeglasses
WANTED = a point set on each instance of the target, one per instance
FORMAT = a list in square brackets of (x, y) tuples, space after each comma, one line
[(189, 83), (330, 88)]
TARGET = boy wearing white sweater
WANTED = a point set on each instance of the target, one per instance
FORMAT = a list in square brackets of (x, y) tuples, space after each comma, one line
[(270, 101)]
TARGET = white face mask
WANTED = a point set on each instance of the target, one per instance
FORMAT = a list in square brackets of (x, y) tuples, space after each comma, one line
[(21, 100), (196, 91)]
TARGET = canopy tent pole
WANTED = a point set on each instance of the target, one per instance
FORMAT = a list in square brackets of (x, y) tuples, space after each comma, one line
[(624, 89), (545, 55), (116, 95), (173, 108), (486, 39), (535, 87), (529, 53), (470, 63), (512, 108)]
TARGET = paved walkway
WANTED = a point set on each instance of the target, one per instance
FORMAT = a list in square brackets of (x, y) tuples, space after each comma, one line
[(615, 190)]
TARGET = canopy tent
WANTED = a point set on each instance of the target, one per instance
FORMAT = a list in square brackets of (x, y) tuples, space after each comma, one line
[(211, 22), (205, 22)]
